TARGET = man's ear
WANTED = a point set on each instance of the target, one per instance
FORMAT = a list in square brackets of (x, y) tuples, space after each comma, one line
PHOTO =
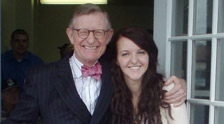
[(69, 34)]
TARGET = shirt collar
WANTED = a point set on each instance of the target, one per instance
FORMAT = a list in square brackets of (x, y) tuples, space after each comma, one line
[(77, 66), (12, 57)]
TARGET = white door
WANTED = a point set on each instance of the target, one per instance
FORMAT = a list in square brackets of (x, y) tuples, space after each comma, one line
[(190, 38)]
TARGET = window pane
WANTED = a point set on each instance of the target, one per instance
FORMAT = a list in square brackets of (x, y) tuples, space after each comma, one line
[(199, 114), (220, 71), (219, 116), (201, 63), (221, 16), (179, 58), (180, 17), (203, 16)]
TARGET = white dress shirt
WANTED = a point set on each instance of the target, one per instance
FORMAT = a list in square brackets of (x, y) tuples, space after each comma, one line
[(88, 88)]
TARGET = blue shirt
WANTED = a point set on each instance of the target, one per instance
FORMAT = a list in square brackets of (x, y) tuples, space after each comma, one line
[(14, 69)]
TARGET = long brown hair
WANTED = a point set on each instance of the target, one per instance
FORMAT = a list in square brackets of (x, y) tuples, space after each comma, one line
[(151, 97)]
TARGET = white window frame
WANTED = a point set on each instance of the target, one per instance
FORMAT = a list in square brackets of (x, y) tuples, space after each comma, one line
[(161, 36)]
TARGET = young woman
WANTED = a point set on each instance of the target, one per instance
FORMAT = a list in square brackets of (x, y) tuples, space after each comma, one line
[(139, 88)]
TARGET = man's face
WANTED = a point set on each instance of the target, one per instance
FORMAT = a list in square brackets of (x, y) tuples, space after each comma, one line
[(20, 44), (89, 50)]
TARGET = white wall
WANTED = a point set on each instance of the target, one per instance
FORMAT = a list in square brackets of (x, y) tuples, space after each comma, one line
[(159, 27)]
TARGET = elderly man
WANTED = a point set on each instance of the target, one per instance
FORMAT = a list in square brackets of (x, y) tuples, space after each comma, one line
[(77, 89)]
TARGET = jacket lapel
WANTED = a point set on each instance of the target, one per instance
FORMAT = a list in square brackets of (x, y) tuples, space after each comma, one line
[(64, 84), (105, 97)]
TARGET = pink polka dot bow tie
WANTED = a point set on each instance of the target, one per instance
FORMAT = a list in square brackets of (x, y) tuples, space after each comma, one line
[(95, 71)]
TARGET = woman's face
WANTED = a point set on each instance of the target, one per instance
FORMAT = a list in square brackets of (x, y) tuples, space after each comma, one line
[(132, 59)]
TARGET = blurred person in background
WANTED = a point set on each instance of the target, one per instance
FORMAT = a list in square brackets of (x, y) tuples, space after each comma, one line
[(9, 97), (18, 60), (65, 49)]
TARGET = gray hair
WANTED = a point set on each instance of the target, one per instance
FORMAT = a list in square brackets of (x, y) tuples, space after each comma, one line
[(88, 9)]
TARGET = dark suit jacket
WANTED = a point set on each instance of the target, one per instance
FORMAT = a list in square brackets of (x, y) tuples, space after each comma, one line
[(50, 93)]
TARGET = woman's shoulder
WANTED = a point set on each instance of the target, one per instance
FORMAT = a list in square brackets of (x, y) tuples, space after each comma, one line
[(179, 115)]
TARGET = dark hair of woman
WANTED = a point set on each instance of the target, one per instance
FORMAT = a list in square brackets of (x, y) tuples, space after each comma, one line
[(152, 94)]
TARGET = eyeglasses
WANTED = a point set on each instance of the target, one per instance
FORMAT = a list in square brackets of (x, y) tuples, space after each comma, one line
[(84, 33)]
